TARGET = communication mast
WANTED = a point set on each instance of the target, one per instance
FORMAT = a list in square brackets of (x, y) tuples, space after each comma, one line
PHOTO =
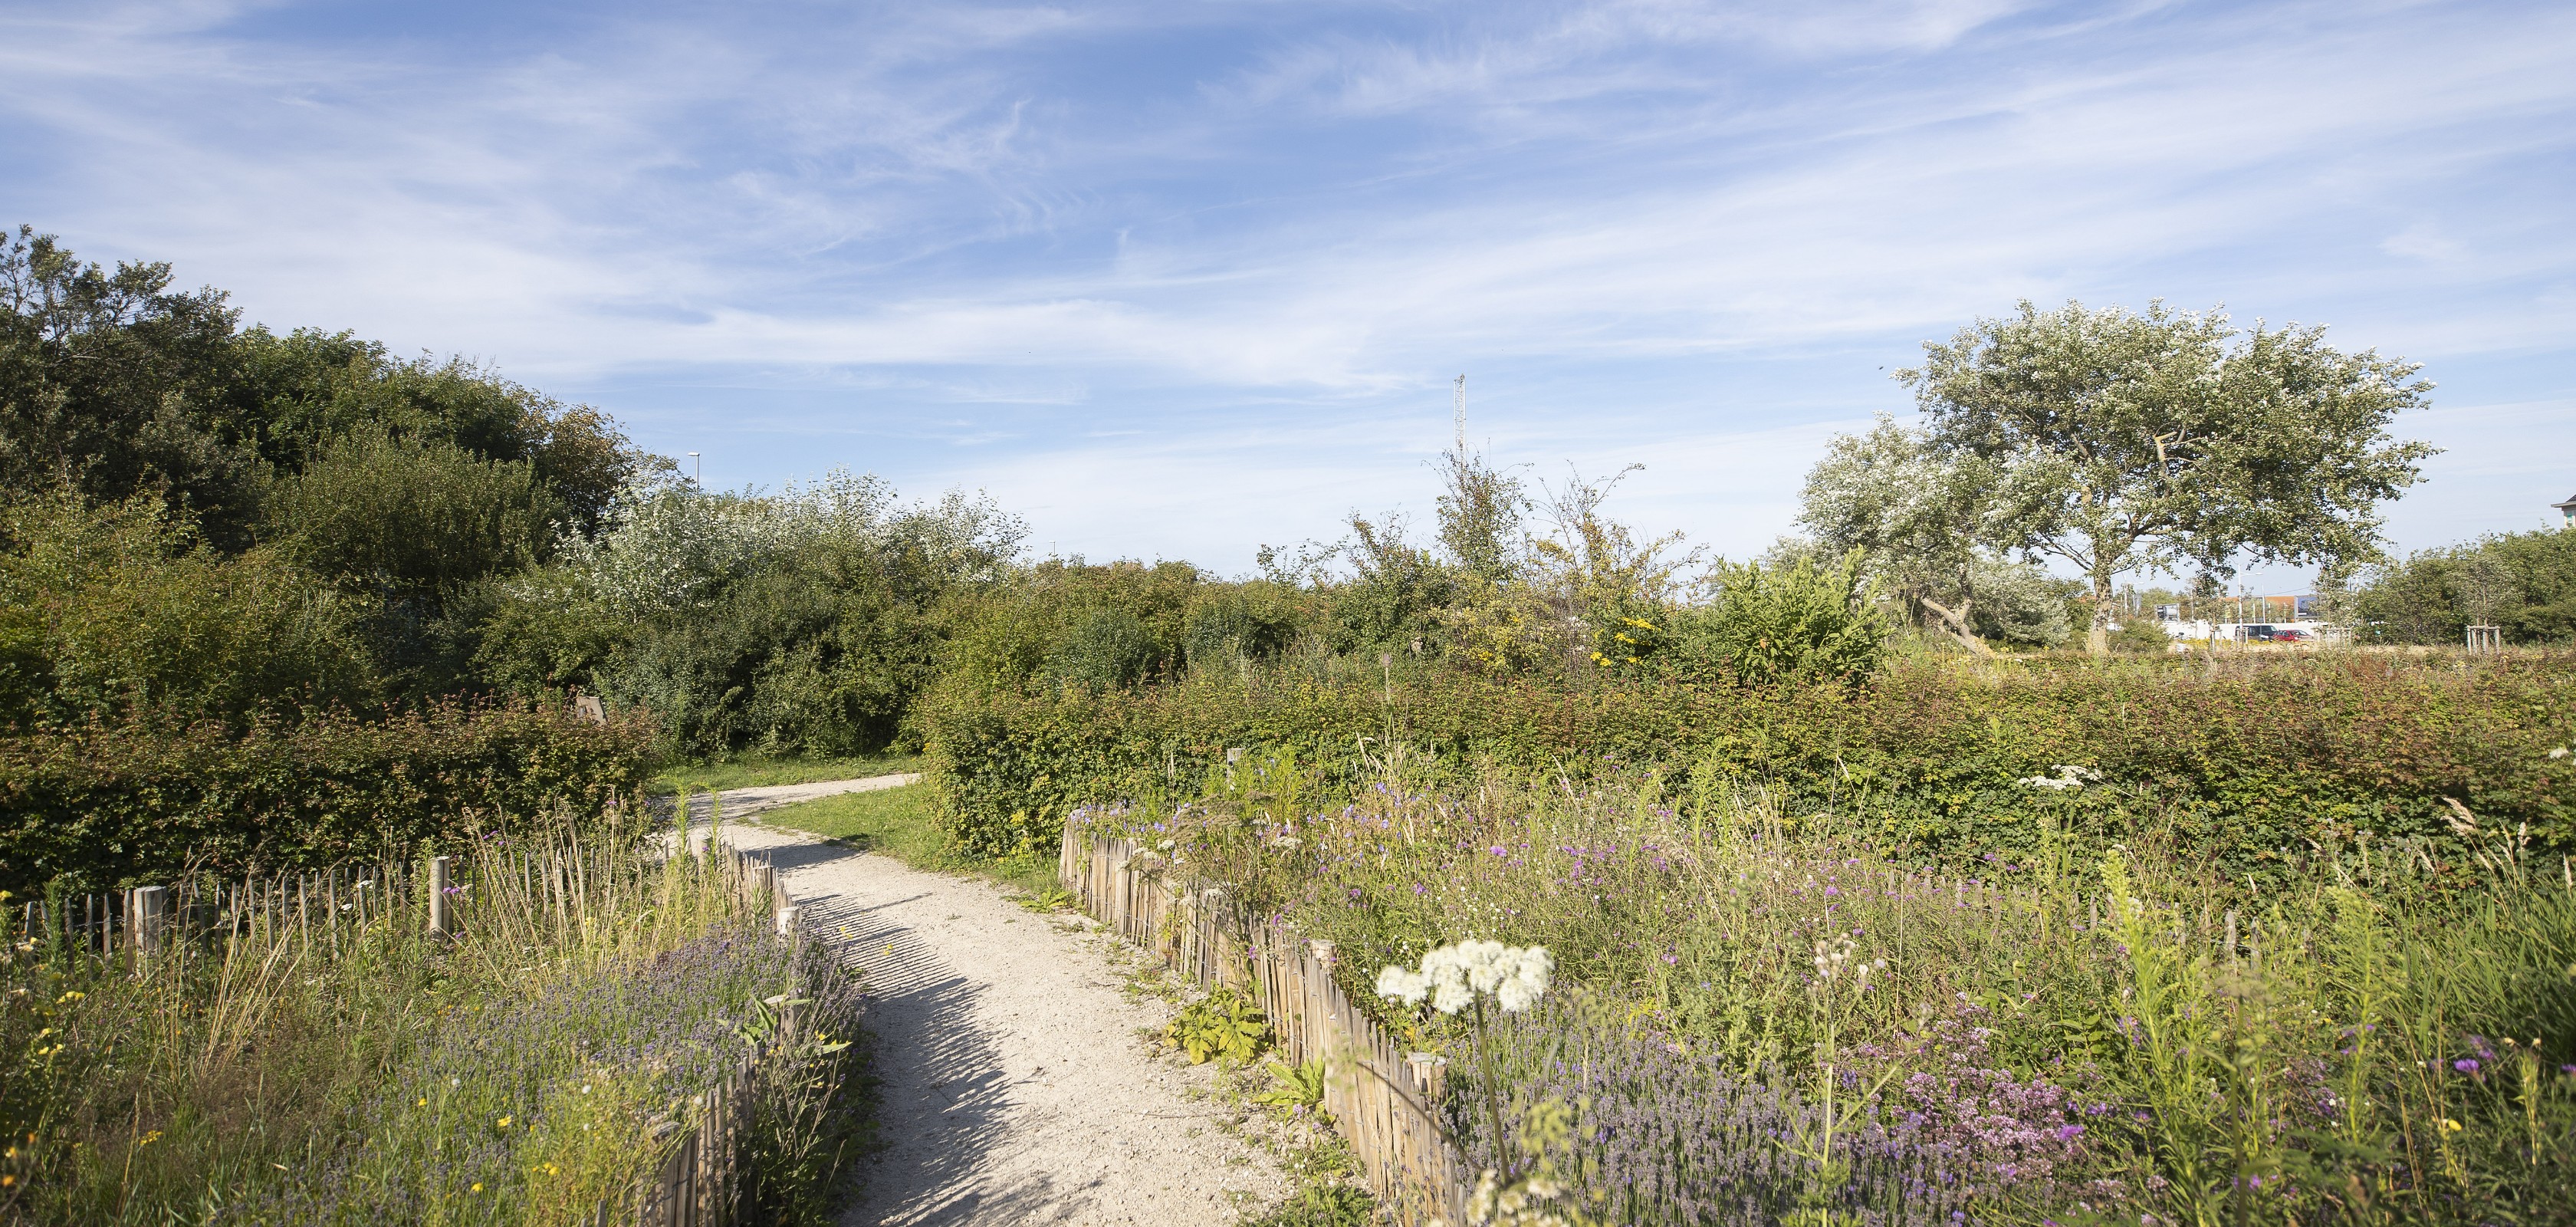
[(1458, 413)]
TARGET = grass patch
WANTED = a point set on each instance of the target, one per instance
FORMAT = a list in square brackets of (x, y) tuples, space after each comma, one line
[(763, 772), (899, 822)]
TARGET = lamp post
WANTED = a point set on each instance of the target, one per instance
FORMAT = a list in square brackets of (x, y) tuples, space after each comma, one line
[(698, 478)]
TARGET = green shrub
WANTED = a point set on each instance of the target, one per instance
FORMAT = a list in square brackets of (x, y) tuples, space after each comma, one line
[(121, 607), (112, 803), (2522, 582), (1798, 624), (1109, 649), (2240, 769), (1228, 622), (2141, 635)]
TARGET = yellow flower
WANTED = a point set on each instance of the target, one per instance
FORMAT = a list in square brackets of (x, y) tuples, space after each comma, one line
[(423, 1102), (552, 1170), (2449, 1125), (149, 1138), (478, 1186), (73, 995), (505, 1122)]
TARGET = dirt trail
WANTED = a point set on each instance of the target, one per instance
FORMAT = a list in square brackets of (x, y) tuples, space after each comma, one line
[(1015, 1087)]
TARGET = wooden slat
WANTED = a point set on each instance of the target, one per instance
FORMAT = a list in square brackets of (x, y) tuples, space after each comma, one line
[(1389, 1120)]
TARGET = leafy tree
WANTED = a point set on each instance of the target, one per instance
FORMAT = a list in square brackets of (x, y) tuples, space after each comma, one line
[(2524, 583), (1481, 512), (1392, 599), (113, 383), (1915, 516), (310, 388), (2120, 441), (1596, 580), (411, 519), (798, 622), (1232, 622)]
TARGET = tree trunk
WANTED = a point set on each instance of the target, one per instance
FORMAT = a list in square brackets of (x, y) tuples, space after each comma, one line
[(2098, 640), (1958, 625)]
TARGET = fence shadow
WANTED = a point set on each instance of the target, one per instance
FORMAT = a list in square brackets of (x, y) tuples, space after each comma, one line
[(944, 1099)]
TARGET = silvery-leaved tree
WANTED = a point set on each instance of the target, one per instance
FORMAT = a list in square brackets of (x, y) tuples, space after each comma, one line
[(2122, 441)]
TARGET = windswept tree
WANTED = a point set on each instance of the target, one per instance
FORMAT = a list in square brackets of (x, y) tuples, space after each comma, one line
[(1913, 516), (2117, 441)]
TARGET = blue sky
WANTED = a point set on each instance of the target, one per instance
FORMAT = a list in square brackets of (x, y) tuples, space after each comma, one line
[(1175, 279)]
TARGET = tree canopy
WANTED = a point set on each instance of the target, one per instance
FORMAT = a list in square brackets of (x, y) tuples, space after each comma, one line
[(2120, 441)]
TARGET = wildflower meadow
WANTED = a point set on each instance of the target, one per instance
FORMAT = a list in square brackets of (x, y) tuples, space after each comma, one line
[(317, 1056), (1743, 1017)]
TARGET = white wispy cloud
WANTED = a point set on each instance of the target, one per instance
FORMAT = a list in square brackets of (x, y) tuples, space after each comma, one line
[(1201, 220)]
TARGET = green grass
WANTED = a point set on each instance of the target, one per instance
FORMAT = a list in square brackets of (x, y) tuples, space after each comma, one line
[(899, 822), (761, 772)]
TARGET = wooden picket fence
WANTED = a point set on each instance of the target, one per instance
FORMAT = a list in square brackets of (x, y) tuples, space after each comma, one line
[(698, 1181), (1383, 1099)]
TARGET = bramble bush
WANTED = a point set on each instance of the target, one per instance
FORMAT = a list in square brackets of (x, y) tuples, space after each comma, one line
[(136, 801)]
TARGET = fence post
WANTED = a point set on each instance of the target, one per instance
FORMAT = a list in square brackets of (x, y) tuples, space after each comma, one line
[(439, 923), (1430, 1072), (147, 909)]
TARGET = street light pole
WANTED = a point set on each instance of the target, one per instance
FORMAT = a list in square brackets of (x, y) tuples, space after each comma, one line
[(698, 479)]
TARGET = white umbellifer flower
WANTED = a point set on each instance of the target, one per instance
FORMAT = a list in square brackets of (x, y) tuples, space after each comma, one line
[(1410, 987), (1454, 976), (2558, 752), (1528, 980)]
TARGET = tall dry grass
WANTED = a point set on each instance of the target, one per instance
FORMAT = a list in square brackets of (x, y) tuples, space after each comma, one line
[(304, 1050)]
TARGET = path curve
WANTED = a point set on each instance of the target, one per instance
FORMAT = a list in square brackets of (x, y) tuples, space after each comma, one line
[(1015, 1089)]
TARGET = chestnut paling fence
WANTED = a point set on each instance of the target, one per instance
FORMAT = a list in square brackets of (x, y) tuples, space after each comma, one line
[(1382, 1098), (698, 1180)]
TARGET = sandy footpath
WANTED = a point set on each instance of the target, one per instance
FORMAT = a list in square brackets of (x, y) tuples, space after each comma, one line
[(1015, 1087)]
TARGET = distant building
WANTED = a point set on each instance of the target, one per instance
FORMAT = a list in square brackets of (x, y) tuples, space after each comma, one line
[(2567, 510)]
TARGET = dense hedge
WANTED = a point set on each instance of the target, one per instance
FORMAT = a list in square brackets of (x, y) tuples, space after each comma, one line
[(130, 802), (2235, 767)]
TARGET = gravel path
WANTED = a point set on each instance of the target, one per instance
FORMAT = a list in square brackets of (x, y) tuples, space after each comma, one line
[(1015, 1087)]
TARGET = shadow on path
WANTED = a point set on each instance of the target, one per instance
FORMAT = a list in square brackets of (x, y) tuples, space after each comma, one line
[(945, 1102)]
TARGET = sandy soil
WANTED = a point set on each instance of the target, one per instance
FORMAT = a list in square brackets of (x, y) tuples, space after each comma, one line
[(1016, 1089)]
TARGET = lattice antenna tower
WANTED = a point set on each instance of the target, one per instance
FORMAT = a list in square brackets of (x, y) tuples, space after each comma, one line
[(1458, 413)]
